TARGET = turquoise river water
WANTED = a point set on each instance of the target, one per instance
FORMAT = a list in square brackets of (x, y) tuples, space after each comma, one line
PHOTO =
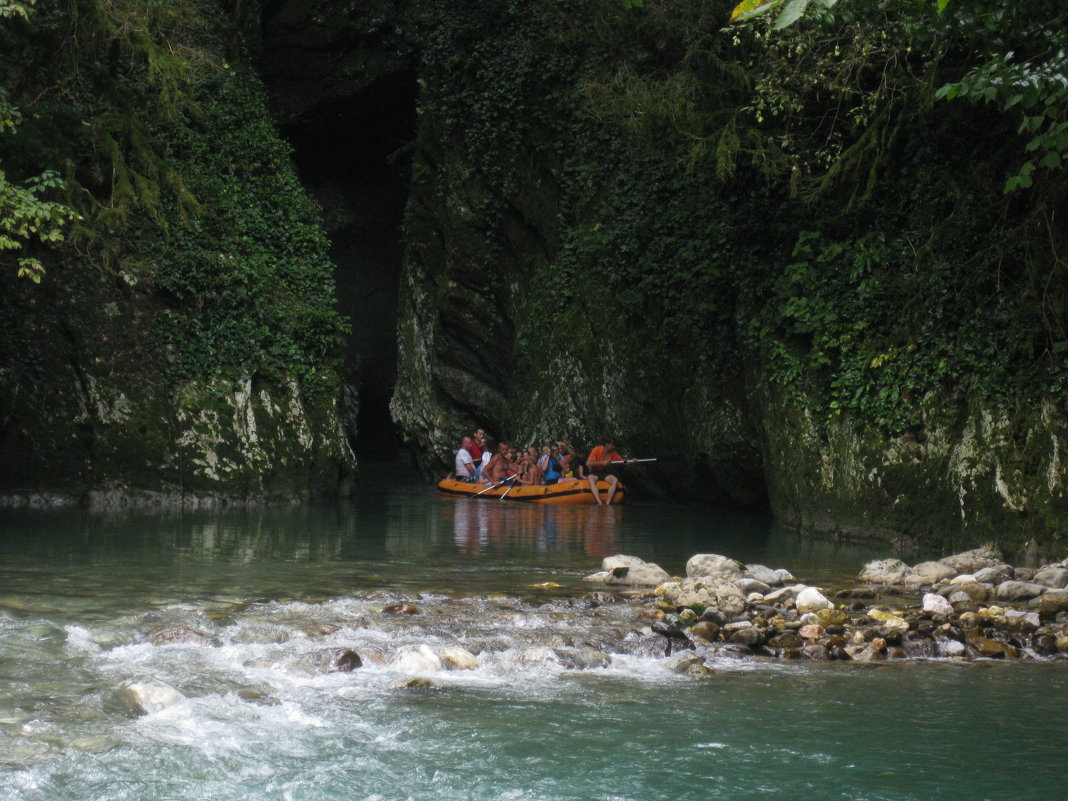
[(270, 589)]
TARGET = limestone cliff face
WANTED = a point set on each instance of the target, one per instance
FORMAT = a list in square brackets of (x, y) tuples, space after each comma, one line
[(981, 476)]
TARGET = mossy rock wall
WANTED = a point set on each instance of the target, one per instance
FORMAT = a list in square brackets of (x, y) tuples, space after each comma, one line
[(578, 267), (182, 346)]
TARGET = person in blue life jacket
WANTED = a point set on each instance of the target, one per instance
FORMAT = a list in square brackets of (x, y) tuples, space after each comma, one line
[(552, 466)]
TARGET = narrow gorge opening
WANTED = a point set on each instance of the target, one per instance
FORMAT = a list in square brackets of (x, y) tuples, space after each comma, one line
[(351, 153)]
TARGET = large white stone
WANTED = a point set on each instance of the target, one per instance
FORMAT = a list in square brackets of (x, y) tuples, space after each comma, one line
[(810, 600), (636, 573), (415, 659), (146, 696), (456, 658), (885, 571), (936, 604), (714, 566)]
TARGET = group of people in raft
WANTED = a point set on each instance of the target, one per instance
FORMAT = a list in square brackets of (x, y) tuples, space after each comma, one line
[(557, 461)]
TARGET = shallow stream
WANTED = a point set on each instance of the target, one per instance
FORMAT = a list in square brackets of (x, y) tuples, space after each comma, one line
[(269, 591)]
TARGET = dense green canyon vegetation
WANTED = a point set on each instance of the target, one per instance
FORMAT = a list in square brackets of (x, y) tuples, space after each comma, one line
[(820, 265)]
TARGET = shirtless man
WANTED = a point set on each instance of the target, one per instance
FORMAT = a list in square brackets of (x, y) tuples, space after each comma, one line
[(598, 462), (497, 469)]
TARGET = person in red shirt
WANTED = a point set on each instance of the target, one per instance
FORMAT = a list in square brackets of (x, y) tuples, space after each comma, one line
[(597, 463)]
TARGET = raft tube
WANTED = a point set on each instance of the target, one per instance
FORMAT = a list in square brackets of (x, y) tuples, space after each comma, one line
[(568, 491)]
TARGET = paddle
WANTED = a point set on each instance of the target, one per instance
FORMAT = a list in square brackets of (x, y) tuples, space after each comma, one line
[(631, 461), (494, 486), (505, 493)]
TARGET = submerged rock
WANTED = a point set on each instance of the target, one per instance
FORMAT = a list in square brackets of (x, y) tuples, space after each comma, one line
[(338, 660), (178, 635), (400, 609)]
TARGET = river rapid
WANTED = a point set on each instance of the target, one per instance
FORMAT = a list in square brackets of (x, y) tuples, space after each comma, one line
[(554, 707)]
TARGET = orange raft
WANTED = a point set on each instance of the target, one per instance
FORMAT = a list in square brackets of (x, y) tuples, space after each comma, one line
[(569, 491)]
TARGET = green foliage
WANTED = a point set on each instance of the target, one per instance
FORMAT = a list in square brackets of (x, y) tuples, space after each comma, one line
[(181, 184), (1034, 90), (250, 283), (26, 212), (686, 161)]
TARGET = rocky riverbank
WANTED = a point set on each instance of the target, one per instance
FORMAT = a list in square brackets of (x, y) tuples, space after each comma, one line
[(966, 606)]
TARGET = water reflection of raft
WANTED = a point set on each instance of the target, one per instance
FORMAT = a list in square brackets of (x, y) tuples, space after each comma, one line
[(569, 491)]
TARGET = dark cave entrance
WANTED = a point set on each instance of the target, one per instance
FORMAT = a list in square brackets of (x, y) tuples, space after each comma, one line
[(352, 156)]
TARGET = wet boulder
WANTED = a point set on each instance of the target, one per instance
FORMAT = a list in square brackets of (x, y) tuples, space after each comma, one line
[(144, 696), (337, 660), (973, 560), (885, 571), (630, 571), (652, 646), (1019, 590), (705, 630), (973, 590), (415, 659), (701, 592), (1053, 577), (994, 575), (930, 573), (177, 635), (750, 585), (1051, 603), (714, 567), (400, 609), (582, 658), (454, 657), (788, 640), (811, 599), (937, 605), (766, 575)]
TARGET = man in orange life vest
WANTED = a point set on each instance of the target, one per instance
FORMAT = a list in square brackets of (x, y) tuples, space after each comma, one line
[(598, 463)]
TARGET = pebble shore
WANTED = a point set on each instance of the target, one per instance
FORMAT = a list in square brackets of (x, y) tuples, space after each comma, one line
[(967, 606)]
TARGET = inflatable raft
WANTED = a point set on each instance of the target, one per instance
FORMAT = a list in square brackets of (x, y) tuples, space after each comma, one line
[(568, 491)]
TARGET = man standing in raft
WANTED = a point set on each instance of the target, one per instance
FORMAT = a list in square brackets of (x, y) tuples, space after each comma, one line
[(598, 463)]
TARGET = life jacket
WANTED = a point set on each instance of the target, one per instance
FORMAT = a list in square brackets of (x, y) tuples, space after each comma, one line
[(553, 468)]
